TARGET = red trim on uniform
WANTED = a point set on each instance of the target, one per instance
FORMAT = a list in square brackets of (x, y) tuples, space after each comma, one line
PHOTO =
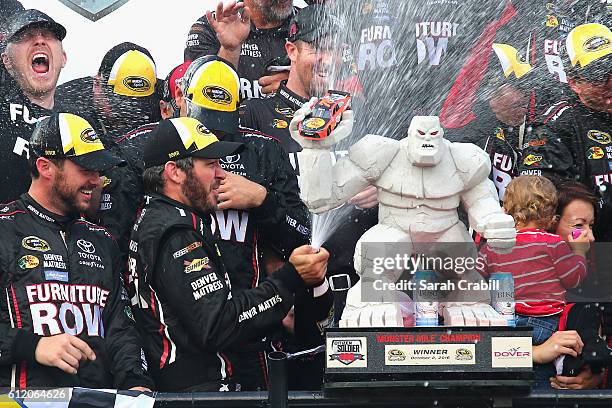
[(563, 317), (22, 375), (13, 213), (257, 132), (164, 356), (228, 364), (195, 221), (254, 260), (554, 113), (16, 306), (532, 108)]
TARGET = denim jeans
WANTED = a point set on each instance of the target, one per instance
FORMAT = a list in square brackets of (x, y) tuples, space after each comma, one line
[(543, 328)]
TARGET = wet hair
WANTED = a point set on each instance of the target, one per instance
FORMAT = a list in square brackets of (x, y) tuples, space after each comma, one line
[(153, 177), (570, 190), (531, 199), (32, 164)]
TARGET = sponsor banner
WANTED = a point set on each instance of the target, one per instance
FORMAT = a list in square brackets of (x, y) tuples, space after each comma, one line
[(511, 352), (430, 354), (347, 352)]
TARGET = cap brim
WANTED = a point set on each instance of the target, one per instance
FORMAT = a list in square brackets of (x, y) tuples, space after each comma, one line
[(217, 120), (55, 28), (217, 150), (100, 161)]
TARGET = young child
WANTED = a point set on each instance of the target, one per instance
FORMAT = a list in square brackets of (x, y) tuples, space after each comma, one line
[(543, 266)]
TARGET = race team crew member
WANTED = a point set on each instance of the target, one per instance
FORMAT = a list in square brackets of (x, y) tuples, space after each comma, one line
[(64, 320), (34, 58), (122, 193), (261, 216), (574, 139), (123, 94), (250, 44), (184, 303)]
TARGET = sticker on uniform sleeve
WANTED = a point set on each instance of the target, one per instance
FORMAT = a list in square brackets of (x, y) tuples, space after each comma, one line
[(511, 352), (35, 244), (53, 275), (187, 249), (595, 153), (347, 352), (599, 137), (196, 265)]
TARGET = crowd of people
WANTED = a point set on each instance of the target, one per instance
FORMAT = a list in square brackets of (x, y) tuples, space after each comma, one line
[(153, 233)]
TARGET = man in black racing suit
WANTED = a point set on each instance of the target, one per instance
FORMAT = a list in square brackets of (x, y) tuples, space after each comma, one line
[(183, 298), (64, 320)]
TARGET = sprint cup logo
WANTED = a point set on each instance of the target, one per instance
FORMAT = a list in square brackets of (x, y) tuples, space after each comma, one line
[(396, 355), (89, 136), (35, 244), (137, 84), (599, 137), (345, 352), (217, 94)]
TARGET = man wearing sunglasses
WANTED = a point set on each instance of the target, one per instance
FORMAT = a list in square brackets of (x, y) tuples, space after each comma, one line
[(574, 138)]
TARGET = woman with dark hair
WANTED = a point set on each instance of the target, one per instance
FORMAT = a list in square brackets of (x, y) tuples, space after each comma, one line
[(576, 211)]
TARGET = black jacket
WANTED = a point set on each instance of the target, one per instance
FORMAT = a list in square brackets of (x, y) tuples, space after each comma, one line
[(62, 275), (260, 47), (183, 301), (18, 117)]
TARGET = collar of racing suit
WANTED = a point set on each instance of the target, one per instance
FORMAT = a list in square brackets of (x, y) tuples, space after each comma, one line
[(205, 216), (292, 99), (45, 215)]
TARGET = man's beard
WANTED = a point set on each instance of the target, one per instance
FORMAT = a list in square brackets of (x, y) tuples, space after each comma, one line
[(272, 12), (64, 197), (197, 194)]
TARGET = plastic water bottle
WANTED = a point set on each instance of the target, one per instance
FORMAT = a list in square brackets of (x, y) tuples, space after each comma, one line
[(426, 300), (502, 295)]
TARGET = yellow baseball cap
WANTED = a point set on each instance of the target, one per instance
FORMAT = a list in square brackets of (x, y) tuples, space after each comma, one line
[(510, 61), (212, 86), (133, 74), (587, 43), (68, 136)]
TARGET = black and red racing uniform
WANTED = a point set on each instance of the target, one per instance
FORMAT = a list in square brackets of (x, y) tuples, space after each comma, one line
[(188, 311), (61, 274)]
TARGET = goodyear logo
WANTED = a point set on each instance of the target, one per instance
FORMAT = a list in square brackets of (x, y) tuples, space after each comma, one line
[(217, 94), (595, 153), (396, 355), (463, 354), (28, 262), (35, 244), (532, 159), (280, 124), (137, 84), (197, 265), (596, 43), (599, 137), (89, 136)]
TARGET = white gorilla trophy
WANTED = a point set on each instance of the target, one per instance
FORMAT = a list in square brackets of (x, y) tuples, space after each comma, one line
[(420, 179)]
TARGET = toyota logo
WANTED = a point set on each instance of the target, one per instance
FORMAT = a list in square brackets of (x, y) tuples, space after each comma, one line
[(231, 159), (86, 246)]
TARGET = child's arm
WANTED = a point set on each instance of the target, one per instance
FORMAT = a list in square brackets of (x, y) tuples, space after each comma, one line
[(571, 268)]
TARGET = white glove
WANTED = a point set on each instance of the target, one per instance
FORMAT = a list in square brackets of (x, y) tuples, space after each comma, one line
[(499, 232), (342, 131)]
